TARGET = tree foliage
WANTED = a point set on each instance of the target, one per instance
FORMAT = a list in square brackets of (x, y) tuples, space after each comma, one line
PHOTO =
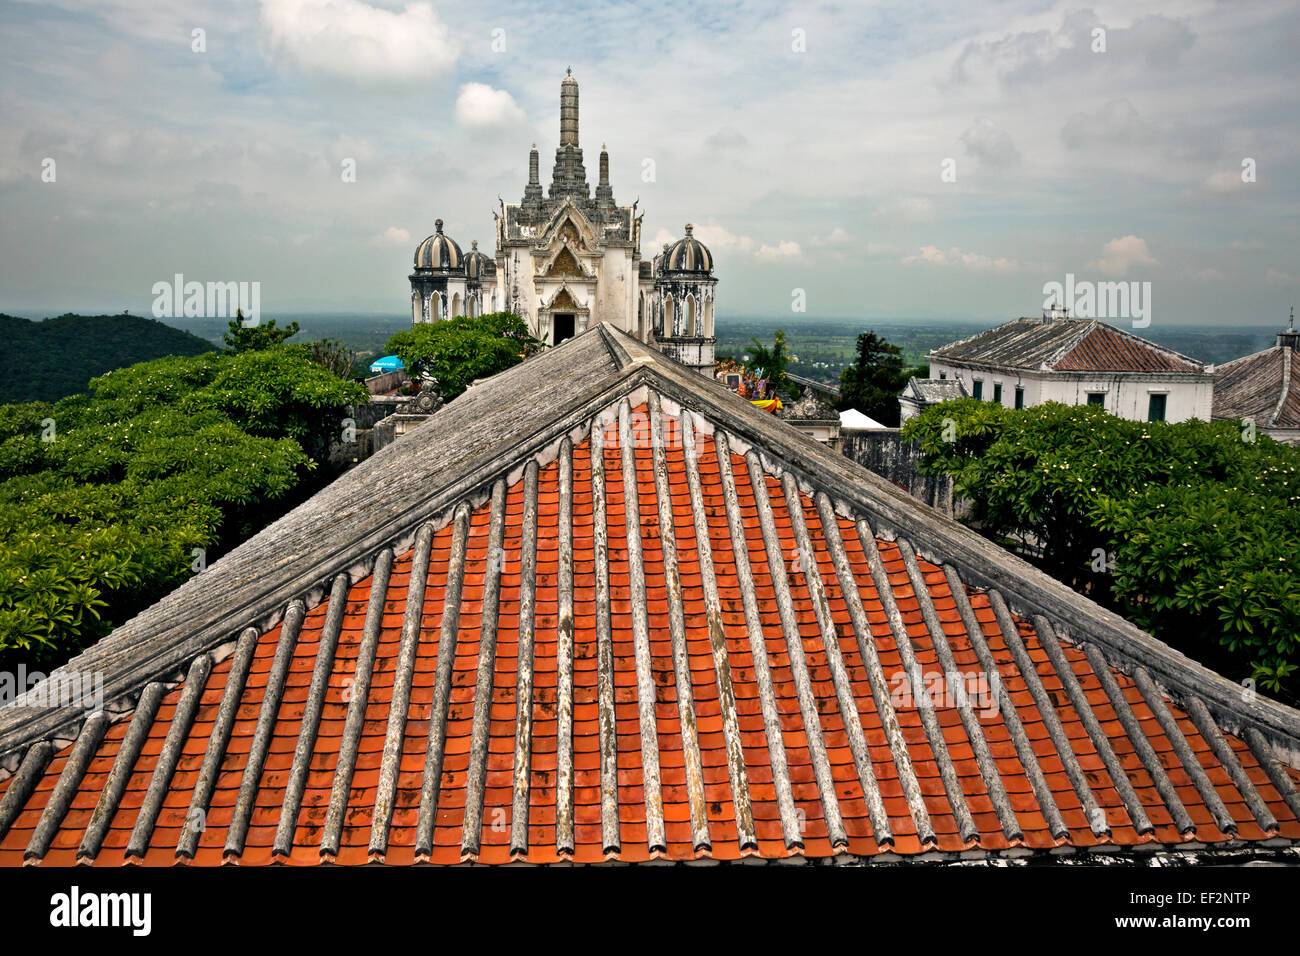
[(773, 364), (461, 349), (334, 355), (875, 379), (105, 496), (1186, 529), (46, 361), (242, 337)]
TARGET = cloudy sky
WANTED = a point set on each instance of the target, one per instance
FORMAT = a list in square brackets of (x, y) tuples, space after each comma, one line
[(917, 158)]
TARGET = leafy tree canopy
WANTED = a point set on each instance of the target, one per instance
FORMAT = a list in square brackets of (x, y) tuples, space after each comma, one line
[(1186, 529), (246, 338), (461, 349), (875, 379), (45, 361), (105, 496), (773, 363)]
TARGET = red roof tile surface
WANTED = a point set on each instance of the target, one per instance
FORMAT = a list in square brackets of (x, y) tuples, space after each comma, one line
[(1105, 349), (743, 684)]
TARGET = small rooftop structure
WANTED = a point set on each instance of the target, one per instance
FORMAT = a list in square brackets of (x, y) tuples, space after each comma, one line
[(853, 420), (920, 393), (814, 417), (1264, 387)]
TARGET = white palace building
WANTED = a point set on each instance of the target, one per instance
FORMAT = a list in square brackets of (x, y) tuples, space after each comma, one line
[(566, 260)]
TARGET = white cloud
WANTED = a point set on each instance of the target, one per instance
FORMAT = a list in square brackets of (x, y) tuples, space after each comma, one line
[(1120, 255), (1208, 274), (392, 236), (933, 255), (351, 40), (909, 209), (1226, 181), (719, 237), (785, 249), (1274, 277), (837, 237), (479, 106), (990, 145)]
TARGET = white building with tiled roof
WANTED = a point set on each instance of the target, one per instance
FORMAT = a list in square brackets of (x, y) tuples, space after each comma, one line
[(1077, 362)]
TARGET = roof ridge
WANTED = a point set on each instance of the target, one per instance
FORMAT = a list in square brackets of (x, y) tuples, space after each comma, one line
[(1286, 387), (1072, 343), (1157, 347)]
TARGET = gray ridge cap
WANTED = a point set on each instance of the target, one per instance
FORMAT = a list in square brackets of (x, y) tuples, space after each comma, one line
[(488, 434)]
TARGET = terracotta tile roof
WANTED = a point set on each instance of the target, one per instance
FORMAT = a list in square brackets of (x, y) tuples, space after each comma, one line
[(1264, 386), (711, 650), (1107, 349), (1067, 345)]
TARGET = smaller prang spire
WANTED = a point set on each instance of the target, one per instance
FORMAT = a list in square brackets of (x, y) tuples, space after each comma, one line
[(533, 191), (604, 192)]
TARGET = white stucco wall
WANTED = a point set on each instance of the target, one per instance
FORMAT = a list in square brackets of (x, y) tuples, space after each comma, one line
[(1127, 395)]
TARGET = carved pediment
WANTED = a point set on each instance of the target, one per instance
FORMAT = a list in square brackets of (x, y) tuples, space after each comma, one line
[(564, 264)]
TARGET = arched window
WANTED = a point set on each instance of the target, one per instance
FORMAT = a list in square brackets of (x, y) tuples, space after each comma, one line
[(670, 319), (415, 308), (708, 316), (435, 307), (456, 307), (690, 315)]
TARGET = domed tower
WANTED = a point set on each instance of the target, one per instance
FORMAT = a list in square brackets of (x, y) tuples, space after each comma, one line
[(438, 284), (480, 282), (682, 302)]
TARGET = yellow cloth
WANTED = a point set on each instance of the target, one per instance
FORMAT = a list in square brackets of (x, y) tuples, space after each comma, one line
[(772, 405)]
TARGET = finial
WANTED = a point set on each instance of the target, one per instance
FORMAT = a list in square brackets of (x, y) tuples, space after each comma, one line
[(473, 243), (437, 224), (689, 227), (568, 71), (1292, 318), (534, 147)]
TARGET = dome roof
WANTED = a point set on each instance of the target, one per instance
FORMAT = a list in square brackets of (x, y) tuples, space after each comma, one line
[(688, 255), (478, 264), (439, 252)]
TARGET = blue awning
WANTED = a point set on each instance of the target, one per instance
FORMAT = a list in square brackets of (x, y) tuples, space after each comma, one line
[(389, 363)]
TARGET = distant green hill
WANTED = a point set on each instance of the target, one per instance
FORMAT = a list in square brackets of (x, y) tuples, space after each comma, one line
[(44, 361)]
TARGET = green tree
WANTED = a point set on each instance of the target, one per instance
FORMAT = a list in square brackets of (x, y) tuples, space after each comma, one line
[(105, 496), (263, 335), (873, 382), (773, 364), (1185, 529), (462, 349), (332, 354)]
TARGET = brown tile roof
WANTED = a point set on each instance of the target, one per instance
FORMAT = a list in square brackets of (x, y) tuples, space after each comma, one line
[(1067, 345), (1264, 386), (710, 620)]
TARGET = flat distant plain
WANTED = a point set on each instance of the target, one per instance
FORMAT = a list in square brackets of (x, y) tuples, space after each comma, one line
[(823, 346)]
